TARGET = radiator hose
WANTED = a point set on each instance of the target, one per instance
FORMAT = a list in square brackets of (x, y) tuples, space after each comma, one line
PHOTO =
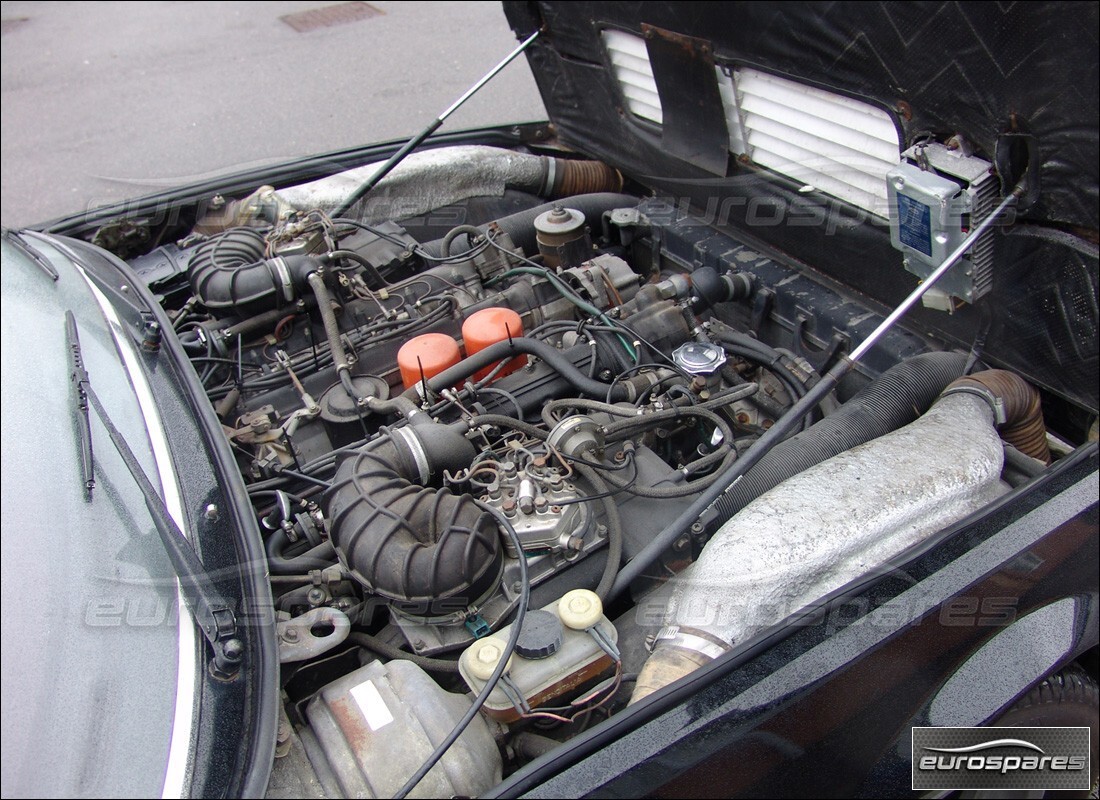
[(842, 519), (1018, 408)]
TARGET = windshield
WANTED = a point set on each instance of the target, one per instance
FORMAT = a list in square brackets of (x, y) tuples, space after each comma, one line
[(209, 88)]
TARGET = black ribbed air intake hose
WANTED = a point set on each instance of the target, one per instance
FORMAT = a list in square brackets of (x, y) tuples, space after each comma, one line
[(430, 551), (894, 399), (228, 273)]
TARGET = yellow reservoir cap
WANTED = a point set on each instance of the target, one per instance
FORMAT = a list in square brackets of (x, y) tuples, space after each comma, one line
[(580, 609)]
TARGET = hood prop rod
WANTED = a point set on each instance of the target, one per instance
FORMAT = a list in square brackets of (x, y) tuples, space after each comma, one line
[(419, 138)]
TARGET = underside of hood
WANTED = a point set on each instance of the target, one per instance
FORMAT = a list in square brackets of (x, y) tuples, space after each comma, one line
[(1014, 84)]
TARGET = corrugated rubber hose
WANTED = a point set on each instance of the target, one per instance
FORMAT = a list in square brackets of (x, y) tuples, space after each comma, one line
[(894, 399)]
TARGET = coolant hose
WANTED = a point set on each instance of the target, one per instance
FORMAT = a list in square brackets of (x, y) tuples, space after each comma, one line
[(454, 233), (318, 557), (532, 745), (391, 652), (430, 551), (614, 529), (611, 510), (836, 520), (623, 390)]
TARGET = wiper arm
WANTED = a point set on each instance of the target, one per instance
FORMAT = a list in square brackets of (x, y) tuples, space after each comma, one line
[(214, 615), (78, 378)]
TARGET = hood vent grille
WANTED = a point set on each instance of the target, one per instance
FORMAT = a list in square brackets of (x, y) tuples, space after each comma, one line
[(631, 67), (835, 144)]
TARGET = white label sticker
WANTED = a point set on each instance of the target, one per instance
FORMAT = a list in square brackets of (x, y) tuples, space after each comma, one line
[(374, 708)]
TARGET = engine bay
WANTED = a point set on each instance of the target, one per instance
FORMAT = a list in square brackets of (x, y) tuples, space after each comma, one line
[(468, 428)]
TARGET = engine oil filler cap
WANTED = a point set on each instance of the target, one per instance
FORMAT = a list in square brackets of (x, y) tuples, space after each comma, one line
[(483, 656), (540, 636), (432, 352), (487, 327), (580, 609), (699, 358)]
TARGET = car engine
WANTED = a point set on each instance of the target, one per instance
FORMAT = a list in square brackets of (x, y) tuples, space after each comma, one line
[(451, 411)]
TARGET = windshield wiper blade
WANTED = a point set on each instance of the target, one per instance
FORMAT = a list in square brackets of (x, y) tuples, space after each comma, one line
[(37, 258), (78, 378), (214, 615)]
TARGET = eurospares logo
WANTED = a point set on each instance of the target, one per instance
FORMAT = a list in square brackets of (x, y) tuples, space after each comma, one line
[(1001, 758)]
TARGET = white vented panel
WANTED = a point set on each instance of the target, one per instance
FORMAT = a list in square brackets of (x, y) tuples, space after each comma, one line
[(833, 143), (630, 63)]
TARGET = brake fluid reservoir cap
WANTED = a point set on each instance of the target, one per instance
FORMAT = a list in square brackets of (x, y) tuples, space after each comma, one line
[(483, 656), (540, 636), (580, 609)]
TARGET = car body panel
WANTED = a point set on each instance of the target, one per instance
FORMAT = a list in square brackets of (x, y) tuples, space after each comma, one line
[(227, 745)]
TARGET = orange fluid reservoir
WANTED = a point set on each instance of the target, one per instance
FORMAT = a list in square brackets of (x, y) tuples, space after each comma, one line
[(432, 352), (489, 326)]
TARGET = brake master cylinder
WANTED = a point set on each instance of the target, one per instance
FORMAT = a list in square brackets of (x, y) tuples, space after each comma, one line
[(561, 647)]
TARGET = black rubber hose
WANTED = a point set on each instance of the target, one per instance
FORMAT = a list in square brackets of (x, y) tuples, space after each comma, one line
[(614, 529), (764, 402), (228, 273), (520, 226), (318, 557), (524, 345), (454, 233), (378, 647), (502, 421), (336, 255), (532, 745), (919, 380), (894, 399), (498, 671), (427, 550), (728, 456), (611, 511)]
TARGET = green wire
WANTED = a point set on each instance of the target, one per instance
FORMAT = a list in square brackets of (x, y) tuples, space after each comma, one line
[(568, 294)]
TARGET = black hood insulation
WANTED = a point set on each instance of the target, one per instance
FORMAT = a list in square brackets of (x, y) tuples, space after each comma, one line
[(1018, 81)]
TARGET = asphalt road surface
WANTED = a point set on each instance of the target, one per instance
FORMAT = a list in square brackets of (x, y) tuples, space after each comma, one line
[(104, 101)]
